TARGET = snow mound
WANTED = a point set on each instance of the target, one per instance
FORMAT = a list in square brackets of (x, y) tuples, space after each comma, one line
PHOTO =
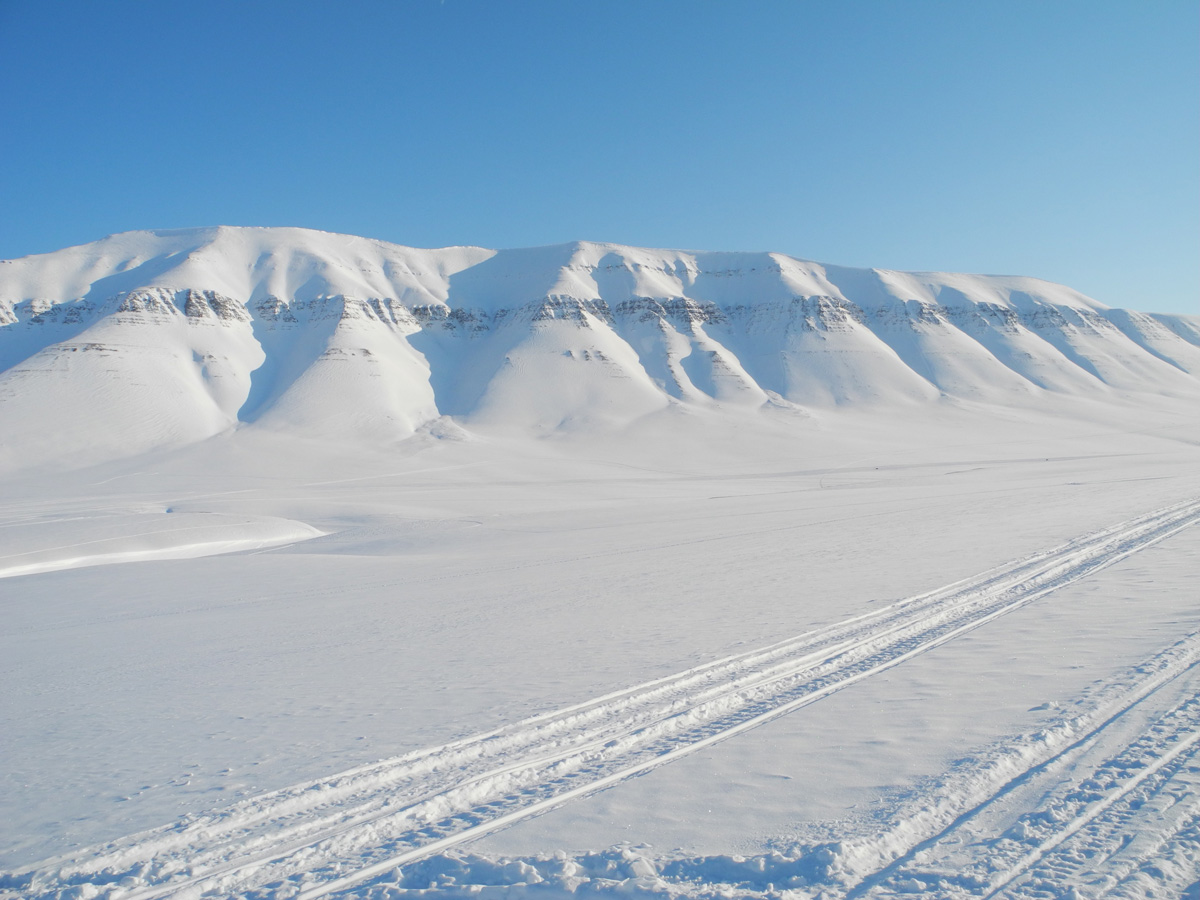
[(51, 544)]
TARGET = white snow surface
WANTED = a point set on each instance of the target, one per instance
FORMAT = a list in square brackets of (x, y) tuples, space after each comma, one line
[(332, 568), (32, 546)]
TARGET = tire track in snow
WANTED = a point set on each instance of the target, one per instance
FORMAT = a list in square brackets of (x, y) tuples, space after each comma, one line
[(931, 842), (324, 836), (1172, 868), (1100, 829), (1101, 812)]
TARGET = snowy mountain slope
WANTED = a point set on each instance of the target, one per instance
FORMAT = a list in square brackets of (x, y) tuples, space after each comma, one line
[(149, 339)]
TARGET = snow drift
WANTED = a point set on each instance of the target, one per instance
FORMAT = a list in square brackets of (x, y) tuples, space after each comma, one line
[(155, 339)]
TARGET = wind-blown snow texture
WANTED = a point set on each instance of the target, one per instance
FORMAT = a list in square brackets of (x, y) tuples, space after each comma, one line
[(151, 339)]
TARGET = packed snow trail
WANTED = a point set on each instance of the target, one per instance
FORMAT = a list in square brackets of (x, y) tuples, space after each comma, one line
[(1107, 828), (1036, 793), (322, 837), (1097, 830)]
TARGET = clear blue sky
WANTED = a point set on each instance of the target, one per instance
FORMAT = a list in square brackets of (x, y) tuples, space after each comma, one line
[(1058, 139)]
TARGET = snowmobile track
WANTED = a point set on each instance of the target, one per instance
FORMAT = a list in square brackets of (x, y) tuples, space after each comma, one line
[(1100, 824), (327, 836), (1100, 828)]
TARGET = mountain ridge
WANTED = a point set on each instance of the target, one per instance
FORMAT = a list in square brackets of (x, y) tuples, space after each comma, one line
[(186, 239), (157, 338)]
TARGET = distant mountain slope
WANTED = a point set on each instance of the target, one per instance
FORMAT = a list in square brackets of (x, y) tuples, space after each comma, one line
[(148, 339)]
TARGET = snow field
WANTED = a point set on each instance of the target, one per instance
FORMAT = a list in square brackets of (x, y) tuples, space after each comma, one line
[(608, 740), (382, 572), (932, 847)]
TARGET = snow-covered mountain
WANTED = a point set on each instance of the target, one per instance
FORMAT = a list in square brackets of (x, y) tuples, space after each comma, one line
[(149, 339)]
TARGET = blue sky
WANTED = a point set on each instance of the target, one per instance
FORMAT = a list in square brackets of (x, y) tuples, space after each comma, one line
[(1058, 139)]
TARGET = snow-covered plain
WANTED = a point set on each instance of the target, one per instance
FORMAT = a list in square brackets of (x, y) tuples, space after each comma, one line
[(335, 568)]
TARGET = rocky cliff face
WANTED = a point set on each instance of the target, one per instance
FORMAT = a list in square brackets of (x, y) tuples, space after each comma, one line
[(147, 338)]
